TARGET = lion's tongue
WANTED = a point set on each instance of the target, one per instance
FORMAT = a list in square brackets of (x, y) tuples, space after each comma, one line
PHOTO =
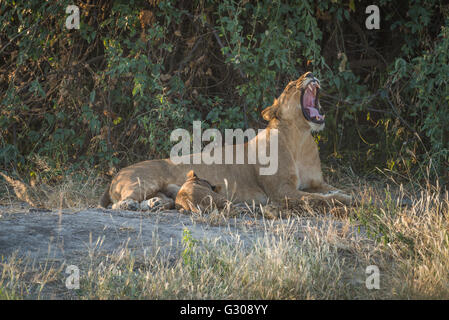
[(309, 98), (313, 113), (309, 103)]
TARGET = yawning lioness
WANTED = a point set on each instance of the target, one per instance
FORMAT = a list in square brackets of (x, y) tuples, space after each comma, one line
[(294, 115)]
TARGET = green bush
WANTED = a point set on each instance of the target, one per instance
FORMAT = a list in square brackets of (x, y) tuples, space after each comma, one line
[(426, 81)]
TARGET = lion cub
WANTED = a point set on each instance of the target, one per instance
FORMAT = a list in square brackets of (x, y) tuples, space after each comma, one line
[(197, 193)]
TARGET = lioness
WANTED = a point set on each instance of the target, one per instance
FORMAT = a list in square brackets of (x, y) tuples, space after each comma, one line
[(294, 114), (197, 193)]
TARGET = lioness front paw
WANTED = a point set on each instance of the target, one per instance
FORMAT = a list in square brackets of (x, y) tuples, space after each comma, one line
[(343, 198), (339, 196)]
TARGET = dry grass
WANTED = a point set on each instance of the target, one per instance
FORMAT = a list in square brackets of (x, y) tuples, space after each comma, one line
[(71, 191), (409, 244)]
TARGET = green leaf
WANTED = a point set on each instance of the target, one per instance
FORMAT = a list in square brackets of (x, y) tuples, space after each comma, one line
[(352, 5), (92, 96)]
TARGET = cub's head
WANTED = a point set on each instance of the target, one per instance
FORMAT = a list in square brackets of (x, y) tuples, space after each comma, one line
[(299, 103), (192, 178), (197, 193)]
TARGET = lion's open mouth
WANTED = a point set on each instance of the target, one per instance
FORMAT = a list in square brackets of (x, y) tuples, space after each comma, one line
[(309, 103)]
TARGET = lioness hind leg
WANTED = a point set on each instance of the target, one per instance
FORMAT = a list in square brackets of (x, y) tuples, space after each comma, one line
[(160, 202), (130, 200), (127, 204)]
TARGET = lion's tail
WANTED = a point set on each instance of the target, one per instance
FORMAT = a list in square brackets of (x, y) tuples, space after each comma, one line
[(105, 199)]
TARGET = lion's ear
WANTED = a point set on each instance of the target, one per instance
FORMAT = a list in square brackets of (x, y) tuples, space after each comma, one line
[(271, 112), (191, 174)]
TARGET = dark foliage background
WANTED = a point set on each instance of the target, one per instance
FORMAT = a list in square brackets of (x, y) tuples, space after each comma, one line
[(110, 93)]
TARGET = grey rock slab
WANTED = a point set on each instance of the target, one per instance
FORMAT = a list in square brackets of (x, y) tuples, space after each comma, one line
[(63, 235), (68, 235)]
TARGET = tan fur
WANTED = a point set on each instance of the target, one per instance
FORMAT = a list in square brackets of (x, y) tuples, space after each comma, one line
[(198, 194), (298, 178)]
